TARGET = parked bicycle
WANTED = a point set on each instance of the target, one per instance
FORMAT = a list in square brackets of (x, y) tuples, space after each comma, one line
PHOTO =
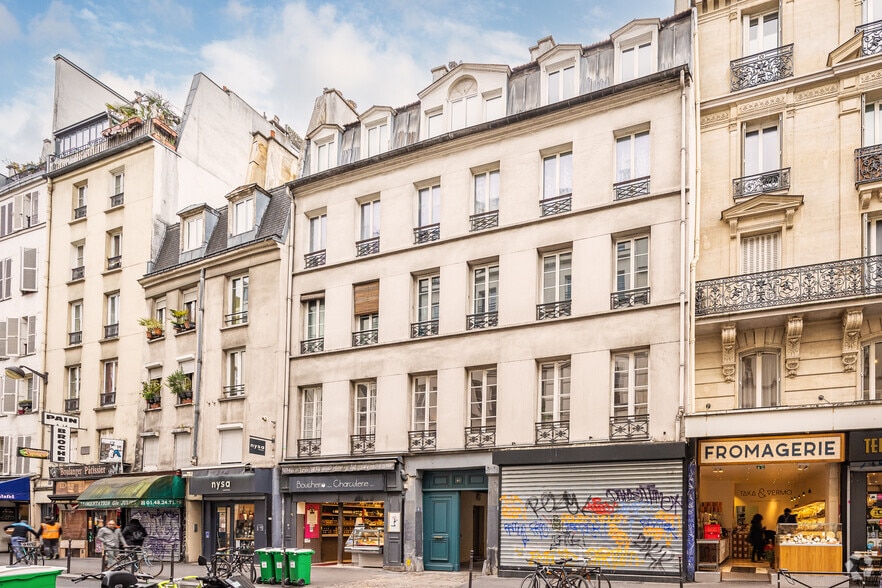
[(557, 575), (231, 562), (137, 560), (593, 575), (31, 554)]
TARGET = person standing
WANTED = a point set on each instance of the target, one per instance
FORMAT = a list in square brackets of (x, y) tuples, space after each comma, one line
[(50, 531), (757, 537), (19, 532), (112, 541), (787, 518), (134, 533)]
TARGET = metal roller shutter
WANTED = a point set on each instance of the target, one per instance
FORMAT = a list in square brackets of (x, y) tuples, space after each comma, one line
[(625, 517)]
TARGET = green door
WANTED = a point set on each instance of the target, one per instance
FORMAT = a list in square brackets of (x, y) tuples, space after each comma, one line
[(441, 538)]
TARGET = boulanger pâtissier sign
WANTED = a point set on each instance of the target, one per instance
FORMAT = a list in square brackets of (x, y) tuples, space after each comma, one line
[(779, 449)]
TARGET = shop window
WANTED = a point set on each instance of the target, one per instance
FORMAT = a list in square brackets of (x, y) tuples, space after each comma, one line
[(760, 379)]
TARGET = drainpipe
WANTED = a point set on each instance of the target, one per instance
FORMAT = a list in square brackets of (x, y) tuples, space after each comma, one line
[(696, 203), (283, 515), (41, 407), (683, 274), (197, 375)]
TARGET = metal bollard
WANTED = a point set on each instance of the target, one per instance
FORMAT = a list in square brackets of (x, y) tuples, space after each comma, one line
[(171, 559), (680, 568), (471, 565), (68, 554)]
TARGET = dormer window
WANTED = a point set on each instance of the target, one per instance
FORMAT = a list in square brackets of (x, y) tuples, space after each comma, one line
[(378, 138), (325, 154), (435, 122), (637, 61), (243, 216), (636, 46), (191, 233), (465, 104), (561, 81)]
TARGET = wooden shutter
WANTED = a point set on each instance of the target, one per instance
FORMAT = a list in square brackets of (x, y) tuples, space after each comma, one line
[(760, 253), (367, 298), (2, 338), (9, 401), (28, 269), (31, 340), (6, 278), (16, 213), (12, 336), (34, 212), (22, 464), (7, 441)]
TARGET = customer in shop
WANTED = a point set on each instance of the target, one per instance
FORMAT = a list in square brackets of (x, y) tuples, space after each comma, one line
[(134, 533), (50, 531), (112, 541), (757, 537), (19, 532), (787, 518)]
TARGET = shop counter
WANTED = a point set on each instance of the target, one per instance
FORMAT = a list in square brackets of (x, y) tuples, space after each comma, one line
[(366, 546), (810, 558), (712, 552)]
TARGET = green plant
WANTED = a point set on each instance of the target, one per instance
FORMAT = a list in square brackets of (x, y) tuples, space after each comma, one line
[(179, 383), (150, 389), (146, 105), (180, 316), (150, 323)]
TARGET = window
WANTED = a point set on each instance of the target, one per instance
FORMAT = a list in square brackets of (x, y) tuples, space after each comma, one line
[(235, 373), (326, 155), (77, 267), (31, 390), (554, 391), (318, 226), (75, 336), (632, 264), (429, 206), (192, 238), (243, 216), (557, 277), (6, 212), (368, 322), (30, 210), (485, 293), (378, 139), (872, 10), (183, 449), (370, 220), (114, 250), (111, 325), (189, 304), (6, 278), (465, 104), (311, 423), (632, 156), (561, 83), (425, 403), (760, 253), (79, 138), (108, 387), (762, 148), (872, 124), (760, 375), (871, 371), (150, 453), (21, 335), (637, 61), (72, 398), (486, 192), (28, 269), (761, 33), (159, 310), (631, 383), (428, 298), (315, 319), (366, 298), (482, 397), (238, 309), (80, 193), (21, 465), (119, 182), (365, 408), (435, 124), (230, 445), (10, 388), (557, 175)]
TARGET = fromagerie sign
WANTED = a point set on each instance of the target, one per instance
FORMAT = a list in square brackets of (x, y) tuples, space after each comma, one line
[(802, 448)]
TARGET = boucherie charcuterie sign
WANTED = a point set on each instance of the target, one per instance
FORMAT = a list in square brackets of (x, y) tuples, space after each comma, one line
[(801, 448)]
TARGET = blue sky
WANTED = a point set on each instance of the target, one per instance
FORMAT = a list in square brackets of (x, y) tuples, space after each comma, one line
[(277, 55)]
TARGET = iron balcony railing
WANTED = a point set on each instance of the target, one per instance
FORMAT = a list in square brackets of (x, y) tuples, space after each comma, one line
[(77, 273), (309, 447), (79, 212), (629, 298), (107, 399), (362, 338), (116, 200), (484, 220), (155, 129), (312, 345), (367, 247), (631, 188), (552, 310), (75, 338), (363, 443), (71, 405), (422, 440), (871, 42), (629, 427), (184, 327), (314, 259), (236, 318), (111, 331), (482, 320), (423, 329), (849, 278), (868, 164), (427, 234), (234, 390), (556, 205), (480, 437), (761, 183), (114, 262), (762, 68), (553, 432)]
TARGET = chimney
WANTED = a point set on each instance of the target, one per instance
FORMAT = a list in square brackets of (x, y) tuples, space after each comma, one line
[(438, 72), (543, 46)]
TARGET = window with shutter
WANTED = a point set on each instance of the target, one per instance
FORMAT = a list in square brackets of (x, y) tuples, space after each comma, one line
[(2, 338), (367, 298), (230, 445), (760, 253), (28, 269), (22, 464), (12, 336), (182, 450), (150, 457), (29, 337), (5, 278), (5, 443), (16, 213), (10, 405)]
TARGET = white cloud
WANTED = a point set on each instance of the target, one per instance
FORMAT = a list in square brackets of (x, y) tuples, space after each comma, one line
[(54, 27), (9, 28), (26, 118)]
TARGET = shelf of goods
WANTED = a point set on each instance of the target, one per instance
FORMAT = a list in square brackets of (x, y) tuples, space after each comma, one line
[(371, 513)]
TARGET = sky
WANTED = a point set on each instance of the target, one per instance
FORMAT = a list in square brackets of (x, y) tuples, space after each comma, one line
[(277, 55)]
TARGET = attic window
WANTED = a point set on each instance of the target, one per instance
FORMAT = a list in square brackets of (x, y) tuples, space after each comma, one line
[(192, 232), (561, 81), (325, 154), (377, 137), (465, 104), (242, 214)]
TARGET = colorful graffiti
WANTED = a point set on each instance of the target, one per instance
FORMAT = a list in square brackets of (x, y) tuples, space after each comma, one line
[(163, 530)]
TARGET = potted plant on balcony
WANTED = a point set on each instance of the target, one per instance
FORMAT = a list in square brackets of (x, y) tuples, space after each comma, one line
[(181, 319), (181, 386), (25, 406), (153, 326), (150, 390), (146, 106)]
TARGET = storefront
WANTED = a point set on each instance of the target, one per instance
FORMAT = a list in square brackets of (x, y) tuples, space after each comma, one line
[(79, 524), (346, 512), (617, 506), (236, 506), (865, 497), (15, 496), (740, 478)]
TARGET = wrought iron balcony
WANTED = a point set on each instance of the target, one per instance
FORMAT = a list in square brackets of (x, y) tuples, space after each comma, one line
[(114, 262), (553, 432), (107, 399), (314, 259), (871, 42), (868, 164), (480, 437), (184, 327), (312, 345), (236, 318), (482, 320), (309, 447), (111, 331), (367, 247), (362, 338), (422, 440), (79, 212), (423, 329), (762, 68), (71, 405), (556, 205), (234, 391), (427, 234), (849, 278), (484, 220), (631, 188), (77, 273), (552, 310), (75, 338), (629, 427), (770, 181), (116, 200), (111, 140), (629, 298), (362, 443)]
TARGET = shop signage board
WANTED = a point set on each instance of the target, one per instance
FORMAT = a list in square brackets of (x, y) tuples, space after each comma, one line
[(60, 444), (865, 445), (779, 449), (219, 482), (337, 483), (62, 420), (257, 446), (32, 453), (96, 470)]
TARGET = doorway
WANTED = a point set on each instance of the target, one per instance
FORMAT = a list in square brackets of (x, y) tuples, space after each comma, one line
[(454, 519)]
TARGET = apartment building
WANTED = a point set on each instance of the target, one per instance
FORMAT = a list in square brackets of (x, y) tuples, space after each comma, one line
[(489, 305), (786, 396)]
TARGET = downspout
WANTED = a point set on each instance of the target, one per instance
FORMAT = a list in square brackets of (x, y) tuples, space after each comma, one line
[(696, 201), (683, 274), (197, 375), (45, 368), (283, 529)]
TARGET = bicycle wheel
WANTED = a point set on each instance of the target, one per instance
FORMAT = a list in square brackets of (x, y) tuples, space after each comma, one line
[(531, 581), (575, 581), (150, 565), (603, 581)]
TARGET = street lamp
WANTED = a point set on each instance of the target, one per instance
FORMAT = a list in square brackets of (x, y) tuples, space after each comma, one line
[(18, 373)]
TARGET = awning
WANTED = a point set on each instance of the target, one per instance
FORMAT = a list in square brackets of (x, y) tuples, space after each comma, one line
[(132, 491), (18, 490)]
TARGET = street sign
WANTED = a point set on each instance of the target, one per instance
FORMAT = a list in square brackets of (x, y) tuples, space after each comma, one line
[(63, 420), (256, 446)]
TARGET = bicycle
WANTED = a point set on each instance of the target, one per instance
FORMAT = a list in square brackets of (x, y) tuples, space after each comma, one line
[(593, 576), (138, 561), (227, 563), (31, 554), (114, 579), (211, 580), (555, 575)]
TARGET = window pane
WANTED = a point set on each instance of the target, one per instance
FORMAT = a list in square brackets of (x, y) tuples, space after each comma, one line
[(770, 379), (628, 64), (641, 155), (494, 190), (751, 153), (480, 193), (554, 87), (566, 173), (770, 149), (569, 82), (565, 277), (748, 382), (623, 159), (549, 177), (644, 57)]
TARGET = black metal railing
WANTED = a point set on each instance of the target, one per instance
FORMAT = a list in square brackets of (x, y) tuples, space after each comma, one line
[(480, 437), (629, 298), (107, 398), (422, 440), (551, 310), (114, 262), (484, 220), (770, 181), (629, 427), (79, 212), (309, 447), (427, 234), (77, 273), (184, 327), (871, 42), (157, 130), (75, 338), (367, 247), (762, 68), (236, 318), (71, 404), (423, 329), (849, 278), (868, 164), (553, 432), (111, 331), (314, 259), (234, 390), (116, 200), (631, 188), (362, 338), (363, 443), (556, 205), (482, 320), (312, 345)]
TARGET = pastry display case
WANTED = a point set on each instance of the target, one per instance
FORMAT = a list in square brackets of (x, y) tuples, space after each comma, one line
[(366, 546), (809, 547)]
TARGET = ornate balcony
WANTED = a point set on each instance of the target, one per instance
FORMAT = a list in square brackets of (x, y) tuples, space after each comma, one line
[(132, 133), (556, 205), (849, 278), (111, 331), (367, 247), (107, 399), (234, 391), (309, 447), (770, 181), (484, 220), (762, 68), (312, 345), (629, 427), (871, 42), (116, 200), (314, 259), (482, 320), (75, 338), (552, 310), (553, 432), (631, 188), (423, 329), (236, 318), (71, 405), (629, 298), (422, 440), (868, 164), (480, 437), (114, 262), (77, 273), (79, 212), (362, 338), (427, 234), (362, 443)]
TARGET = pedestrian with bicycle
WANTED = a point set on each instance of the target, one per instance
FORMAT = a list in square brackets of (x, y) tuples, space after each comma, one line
[(19, 532), (134, 533), (112, 542)]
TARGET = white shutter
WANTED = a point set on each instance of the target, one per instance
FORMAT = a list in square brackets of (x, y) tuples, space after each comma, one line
[(760, 253), (12, 336), (28, 269), (230, 446), (16, 213), (9, 404), (7, 441), (151, 454), (6, 279), (2, 338), (182, 450), (35, 208), (31, 337), (22, 464)]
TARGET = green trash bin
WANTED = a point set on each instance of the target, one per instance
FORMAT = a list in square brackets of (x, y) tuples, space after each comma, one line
[(29, 577), (265, 558), (279, 565), (299, 566)]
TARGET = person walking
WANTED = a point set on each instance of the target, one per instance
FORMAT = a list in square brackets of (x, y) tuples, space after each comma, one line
[(19, 532), (50, 531), (757, 538), (134, 533), (112, 541)]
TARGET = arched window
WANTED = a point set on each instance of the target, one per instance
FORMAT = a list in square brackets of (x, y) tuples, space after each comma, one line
[(465, 103), (760, 378)]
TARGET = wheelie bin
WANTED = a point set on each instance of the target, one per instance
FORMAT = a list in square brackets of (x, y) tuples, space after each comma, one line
[(279, 565), (265, 557), (299, 566)]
